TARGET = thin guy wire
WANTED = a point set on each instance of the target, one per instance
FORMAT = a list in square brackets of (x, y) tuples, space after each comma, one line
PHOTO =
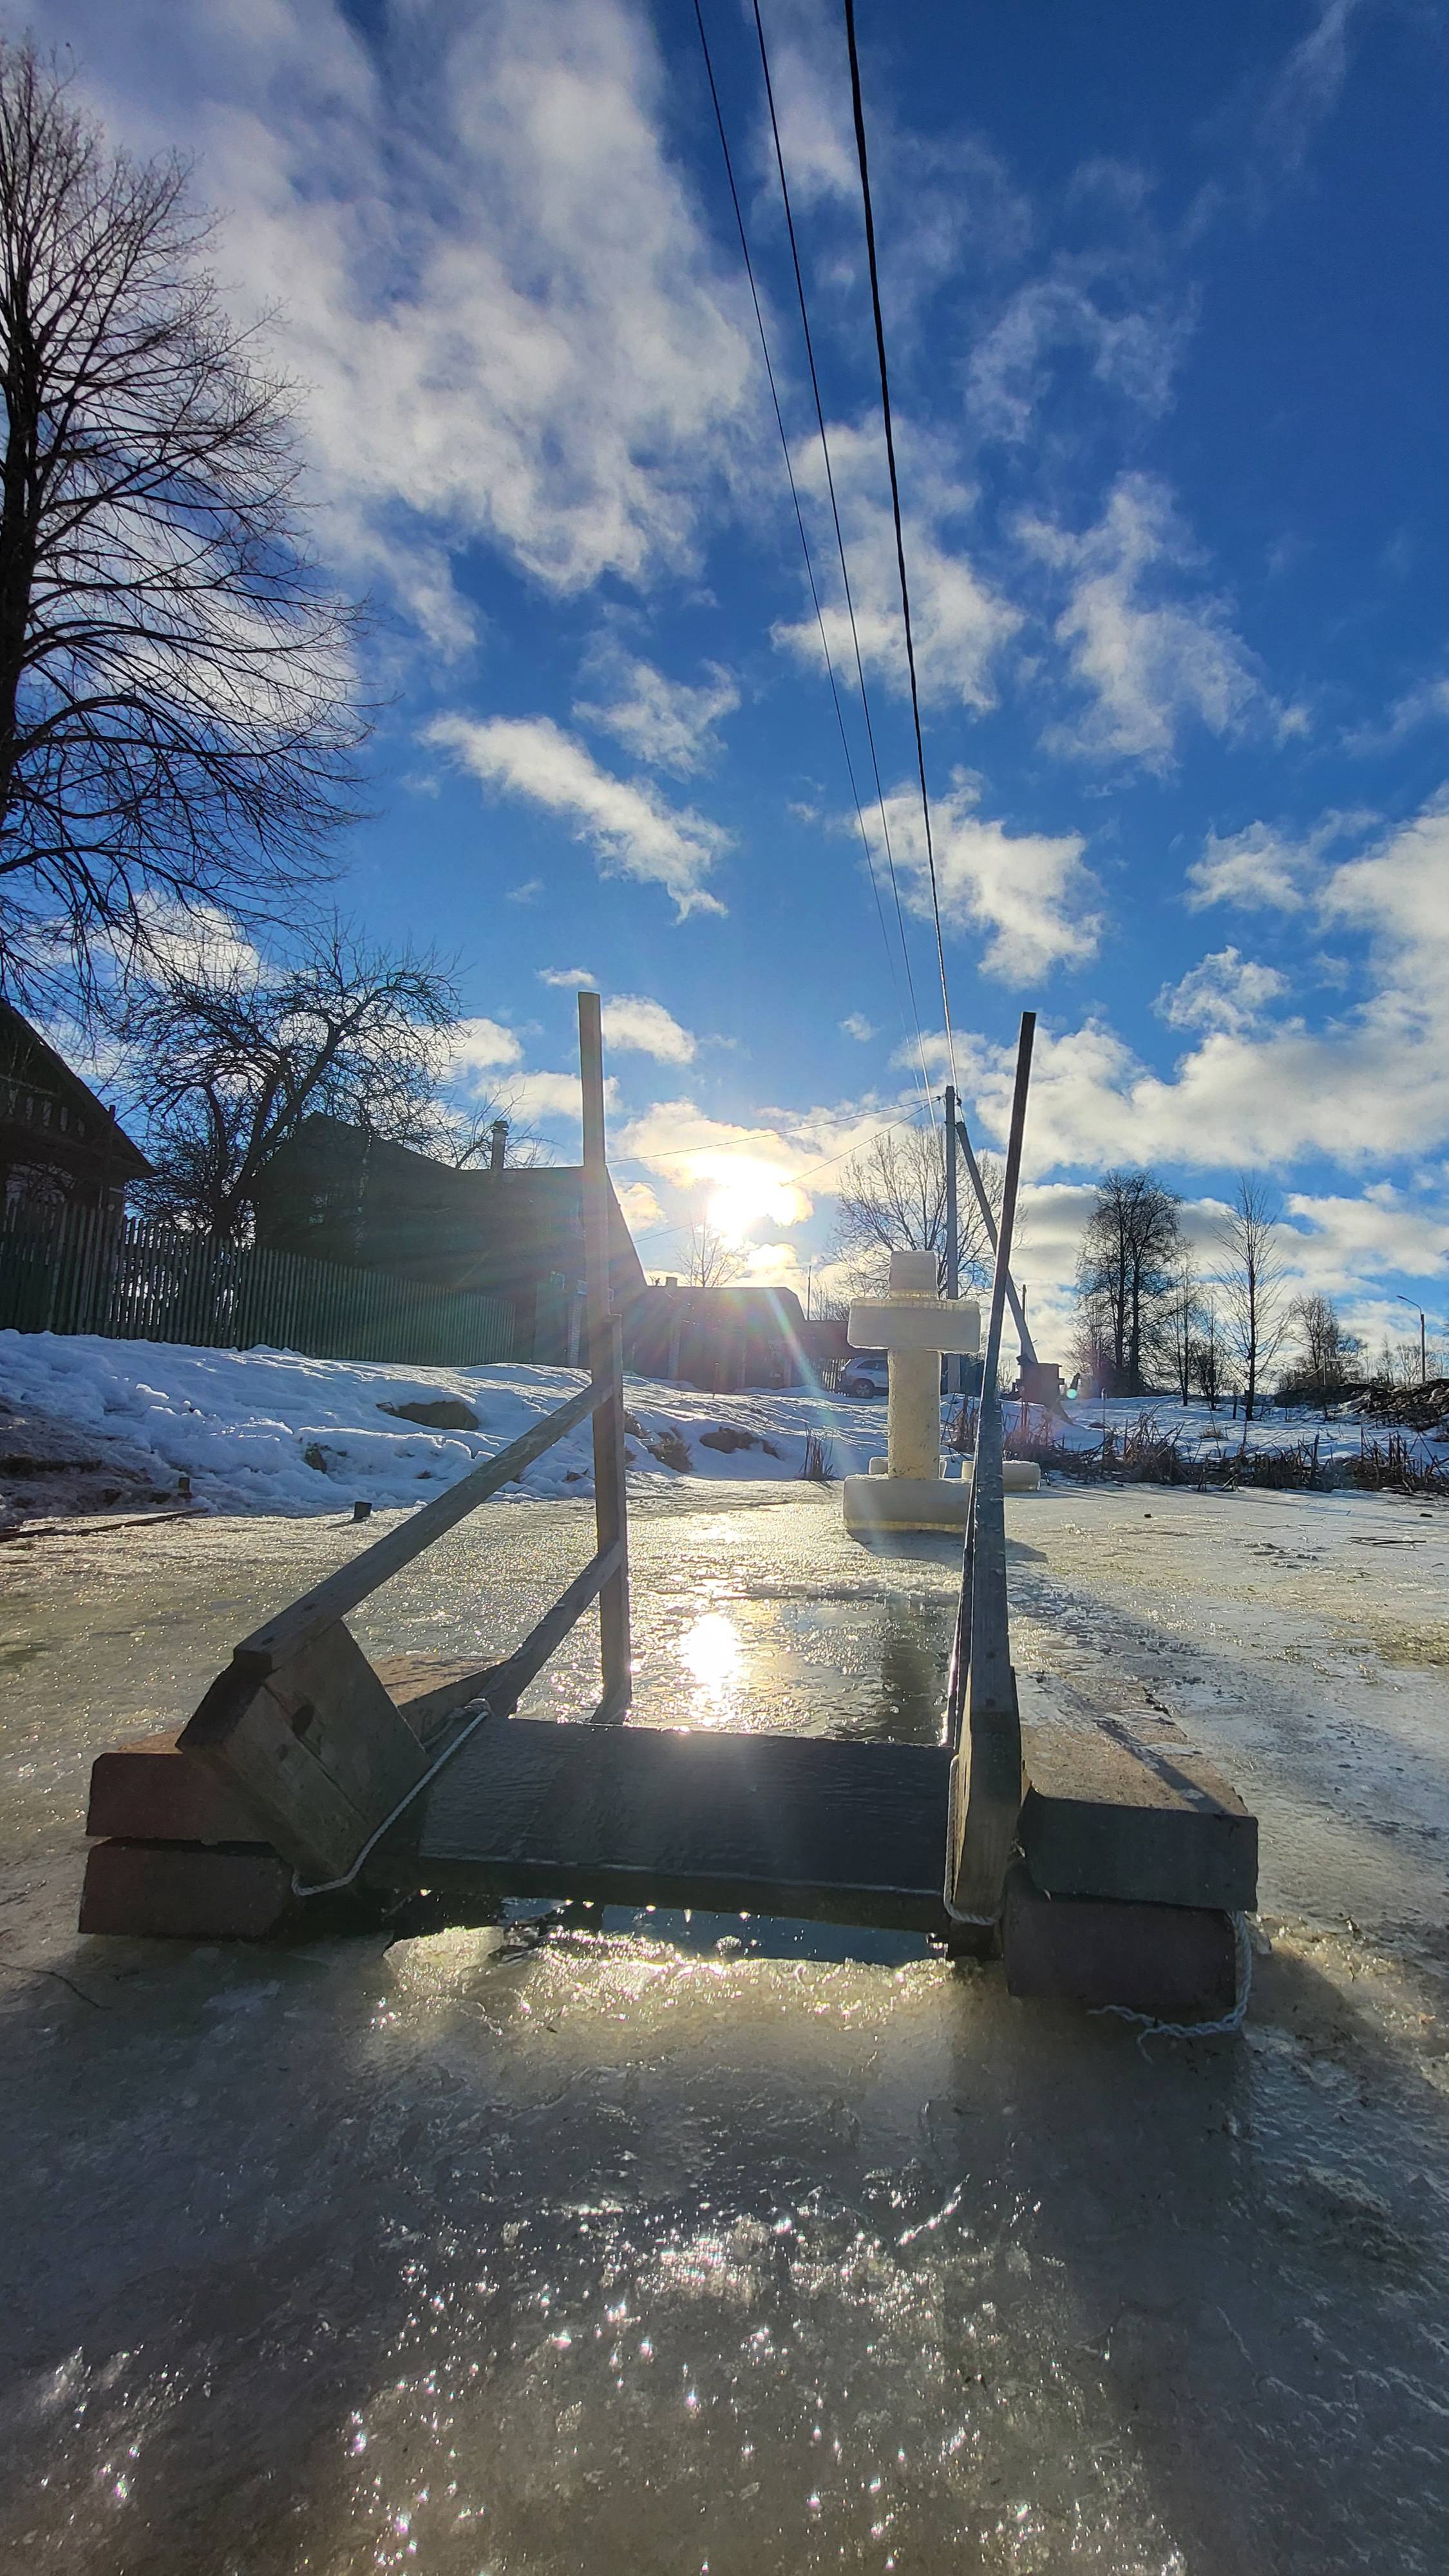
[(885, 403), (835, 514), (814, 591)]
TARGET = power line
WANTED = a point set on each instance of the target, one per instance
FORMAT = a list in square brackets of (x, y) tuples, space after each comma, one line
[(815, 597), (835, 515), (885, 404)]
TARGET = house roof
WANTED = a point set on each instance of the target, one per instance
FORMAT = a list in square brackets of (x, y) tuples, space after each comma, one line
[(336, 1191), (32, 1073)]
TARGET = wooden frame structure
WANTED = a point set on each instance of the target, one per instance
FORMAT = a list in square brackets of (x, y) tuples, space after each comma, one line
[(1107, 1865), (300, 1723)]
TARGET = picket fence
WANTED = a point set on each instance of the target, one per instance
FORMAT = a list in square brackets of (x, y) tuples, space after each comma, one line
[(84, 1271)]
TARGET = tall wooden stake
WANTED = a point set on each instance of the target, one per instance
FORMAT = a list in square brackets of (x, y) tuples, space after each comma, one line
[(986, 1777), (953, 1233), (606, 1367), (1028, 1347)]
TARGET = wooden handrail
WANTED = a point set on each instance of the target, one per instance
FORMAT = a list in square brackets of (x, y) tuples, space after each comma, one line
[(293, 1628)]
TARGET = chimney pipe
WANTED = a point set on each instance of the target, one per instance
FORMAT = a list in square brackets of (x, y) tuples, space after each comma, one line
[(497, 1144)]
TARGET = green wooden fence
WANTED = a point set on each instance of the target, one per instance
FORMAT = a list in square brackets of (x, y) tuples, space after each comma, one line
[(87, 1272)]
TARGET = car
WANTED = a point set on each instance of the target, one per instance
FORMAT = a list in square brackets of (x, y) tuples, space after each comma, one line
[(864, 1373)]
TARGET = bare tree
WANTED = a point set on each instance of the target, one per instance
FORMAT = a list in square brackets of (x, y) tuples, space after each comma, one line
[(712, 1260), (176, 711), (1257, 1317), (1125, 1267), (892, 1198), (1207, 1352), (1091, 1345), (1326, 1346), (227, 1056), (464, 1137), (1181, 1318)]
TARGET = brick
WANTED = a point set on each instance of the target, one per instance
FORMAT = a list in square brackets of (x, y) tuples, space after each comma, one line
[(1177, 1962), (185, 1891)]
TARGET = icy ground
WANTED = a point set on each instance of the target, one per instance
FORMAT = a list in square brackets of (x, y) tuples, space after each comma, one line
[(725, 2245), (267, 1431)]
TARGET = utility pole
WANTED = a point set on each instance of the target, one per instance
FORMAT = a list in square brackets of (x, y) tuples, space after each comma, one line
[(953, 1237)]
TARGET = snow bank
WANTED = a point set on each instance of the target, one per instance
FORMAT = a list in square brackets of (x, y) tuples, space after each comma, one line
[(1199, 1430), (266, 1431)]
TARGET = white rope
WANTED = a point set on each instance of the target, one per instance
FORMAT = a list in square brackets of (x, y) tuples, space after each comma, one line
[(330, 1886), (1231, 2022)]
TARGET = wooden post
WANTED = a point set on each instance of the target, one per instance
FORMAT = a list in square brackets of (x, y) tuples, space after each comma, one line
[(1028, 1348), (986, 1775), (606, 1367), (953, 1238)]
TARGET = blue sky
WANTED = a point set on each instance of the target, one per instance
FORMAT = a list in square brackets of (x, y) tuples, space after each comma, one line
[(1164, 296)]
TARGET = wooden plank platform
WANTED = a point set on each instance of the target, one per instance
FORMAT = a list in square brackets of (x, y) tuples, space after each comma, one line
[(764, 1824)]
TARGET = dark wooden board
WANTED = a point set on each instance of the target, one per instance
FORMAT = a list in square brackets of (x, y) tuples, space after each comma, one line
[(788, 1825)]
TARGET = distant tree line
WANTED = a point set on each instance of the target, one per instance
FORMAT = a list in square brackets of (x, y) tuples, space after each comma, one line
[(1148, 1314)]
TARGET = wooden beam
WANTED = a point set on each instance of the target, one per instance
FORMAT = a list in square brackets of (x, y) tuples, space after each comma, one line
[(320, 1609), (986, 1775), (606, 1367), (315, 1746), (1028, 1346)]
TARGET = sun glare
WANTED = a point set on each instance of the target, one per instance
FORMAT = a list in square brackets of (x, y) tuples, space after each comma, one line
[(755, 1194)]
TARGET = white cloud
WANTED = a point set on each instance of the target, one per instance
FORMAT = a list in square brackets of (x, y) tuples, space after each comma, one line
[(570, 979), (664, 722), (1368, 1086), (528, 892), (1149, 662), (640, 1208), (960, 623), (645, 1028), (1266, 867), (683, 1145), (1223, 991), (1028, 890), (488, 269), (1132, 352), (552, 1097), (1426, 703), (1308, 84), (856, 1025), (629, 827), (480, 1046), (1355, 1243)]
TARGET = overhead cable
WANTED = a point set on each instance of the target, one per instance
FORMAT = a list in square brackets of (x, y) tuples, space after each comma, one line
[(922, 1075), (835, 515), (885, 404)]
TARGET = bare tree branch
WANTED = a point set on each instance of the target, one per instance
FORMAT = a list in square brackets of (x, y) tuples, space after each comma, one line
[(177, 717), (227, 1056), (892, 1198), (712, 1260)]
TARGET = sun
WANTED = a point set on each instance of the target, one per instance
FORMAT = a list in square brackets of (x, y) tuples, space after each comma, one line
[(755, 1194)]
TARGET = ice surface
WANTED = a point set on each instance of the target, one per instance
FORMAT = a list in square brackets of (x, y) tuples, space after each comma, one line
[(534, 2248)]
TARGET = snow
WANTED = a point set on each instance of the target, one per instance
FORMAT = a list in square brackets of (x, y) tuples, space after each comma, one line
[(1201, 1432), (241, 1424)]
